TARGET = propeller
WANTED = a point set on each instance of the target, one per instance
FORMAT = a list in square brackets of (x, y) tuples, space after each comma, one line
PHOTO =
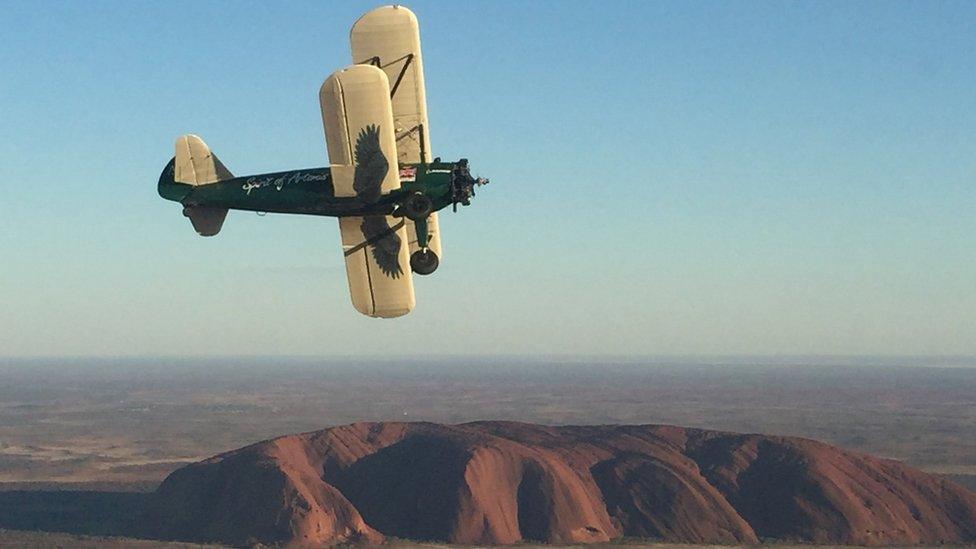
[(462, 184)]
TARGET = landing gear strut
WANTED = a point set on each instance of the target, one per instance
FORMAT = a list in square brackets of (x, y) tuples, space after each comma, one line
[(424, 261)]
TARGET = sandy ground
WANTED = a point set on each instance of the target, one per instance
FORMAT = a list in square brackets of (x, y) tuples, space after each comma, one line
[(45, 540)]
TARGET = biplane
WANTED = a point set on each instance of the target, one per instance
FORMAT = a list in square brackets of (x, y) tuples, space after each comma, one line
[(381, 182)]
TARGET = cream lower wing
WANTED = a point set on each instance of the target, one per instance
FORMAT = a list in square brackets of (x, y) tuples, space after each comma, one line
[(358, 122), (375, 290), (391, 35)]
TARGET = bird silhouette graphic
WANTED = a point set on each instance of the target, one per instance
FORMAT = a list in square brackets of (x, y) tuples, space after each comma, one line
[(371, 168), (384, 243)]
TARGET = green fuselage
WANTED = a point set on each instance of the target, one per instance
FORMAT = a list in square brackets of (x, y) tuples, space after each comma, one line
[(308, 191)]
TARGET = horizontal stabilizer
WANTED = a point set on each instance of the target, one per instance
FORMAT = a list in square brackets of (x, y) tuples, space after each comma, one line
[(206, 220)]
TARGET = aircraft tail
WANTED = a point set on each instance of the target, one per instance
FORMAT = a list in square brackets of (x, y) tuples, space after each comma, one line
[(196, 165)]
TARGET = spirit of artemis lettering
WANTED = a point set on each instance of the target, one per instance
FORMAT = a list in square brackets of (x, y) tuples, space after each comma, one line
[(279, 181)]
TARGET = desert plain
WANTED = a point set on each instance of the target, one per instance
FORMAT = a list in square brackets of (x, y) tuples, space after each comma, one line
[(80, 440)]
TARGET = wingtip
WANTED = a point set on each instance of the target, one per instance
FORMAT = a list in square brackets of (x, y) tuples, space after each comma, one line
[(399, 9)]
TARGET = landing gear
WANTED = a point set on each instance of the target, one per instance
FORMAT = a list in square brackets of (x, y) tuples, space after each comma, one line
[(424, 261)]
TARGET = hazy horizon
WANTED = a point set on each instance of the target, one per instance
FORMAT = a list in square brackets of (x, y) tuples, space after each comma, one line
[(128, 420), (907, 361)]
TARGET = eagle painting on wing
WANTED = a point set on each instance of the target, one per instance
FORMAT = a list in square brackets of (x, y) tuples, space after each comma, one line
[(371, 169)]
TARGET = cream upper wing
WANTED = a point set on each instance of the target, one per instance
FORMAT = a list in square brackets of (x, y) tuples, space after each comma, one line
[(359, 133), (389, 36)]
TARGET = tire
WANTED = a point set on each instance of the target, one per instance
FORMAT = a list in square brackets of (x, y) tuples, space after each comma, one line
[(424, 262), (417, 206)]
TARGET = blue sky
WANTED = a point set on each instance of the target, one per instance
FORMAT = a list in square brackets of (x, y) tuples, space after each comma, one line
[(667, 178)]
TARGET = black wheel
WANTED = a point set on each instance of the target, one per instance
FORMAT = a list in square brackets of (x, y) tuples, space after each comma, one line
[(417, 206), (423, 262)]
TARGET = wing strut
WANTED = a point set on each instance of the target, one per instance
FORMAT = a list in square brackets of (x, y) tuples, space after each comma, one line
[(375, 61), (419, 128)]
